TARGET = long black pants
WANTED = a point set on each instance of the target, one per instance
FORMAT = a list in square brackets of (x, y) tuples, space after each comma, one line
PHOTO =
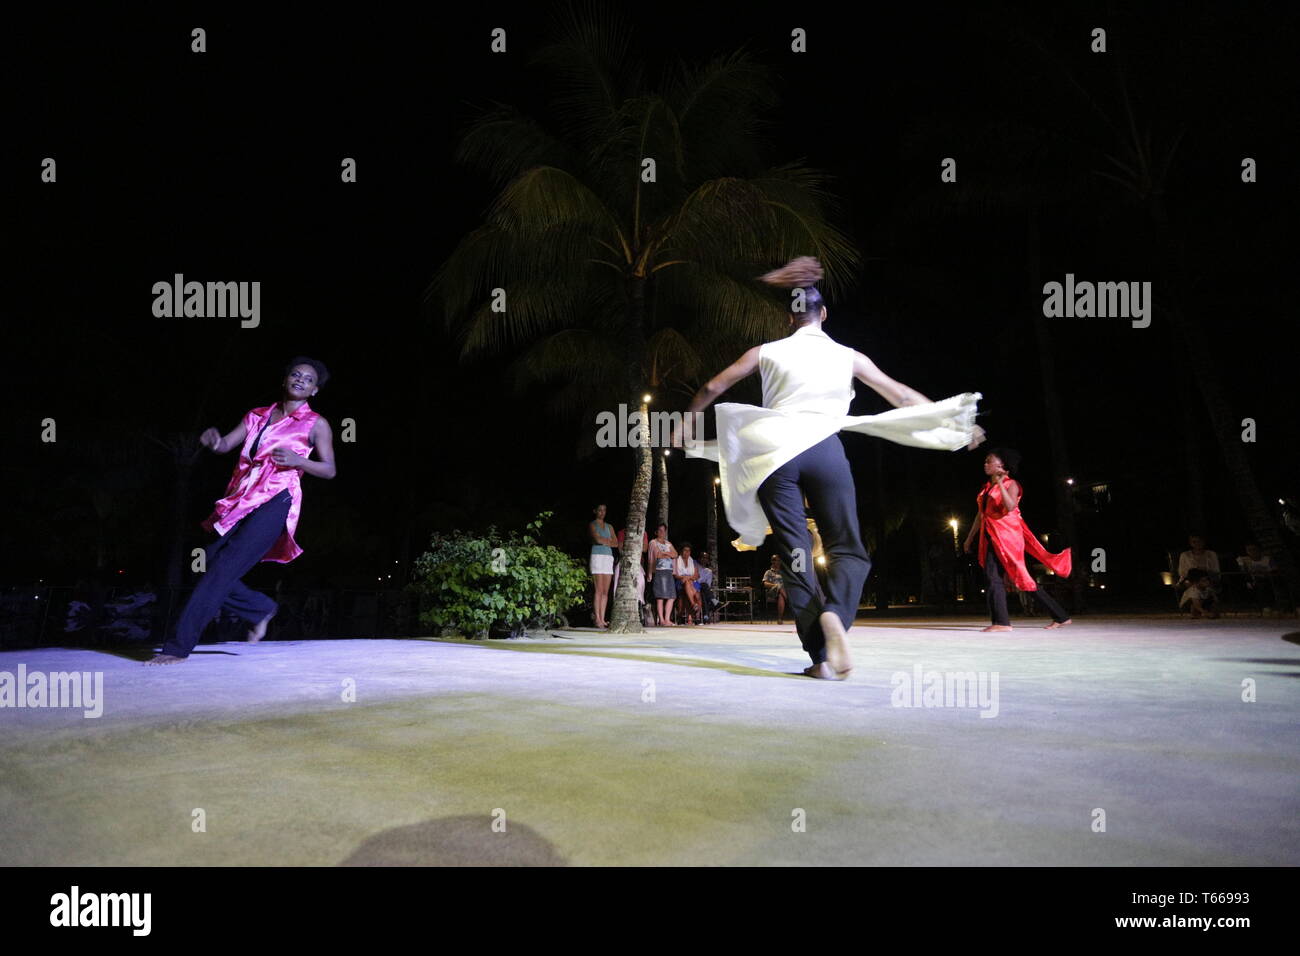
[(997, 592), (822, 474), (228, 559)]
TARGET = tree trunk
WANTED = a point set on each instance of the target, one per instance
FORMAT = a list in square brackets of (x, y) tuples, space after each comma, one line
[(1194, 515), (1063, 493), (663, 489), (712, 514), (626, 618), (180, 512), (922, 534), (882, 588), (1203, 367)]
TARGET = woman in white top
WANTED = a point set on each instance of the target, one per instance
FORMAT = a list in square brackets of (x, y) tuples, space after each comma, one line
[(771, 458), (686, 573)]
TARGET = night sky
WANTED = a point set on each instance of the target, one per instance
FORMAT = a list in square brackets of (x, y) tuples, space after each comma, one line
[(225, 166)]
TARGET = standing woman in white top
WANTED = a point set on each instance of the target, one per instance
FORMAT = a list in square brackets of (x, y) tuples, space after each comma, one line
[(771, 458)]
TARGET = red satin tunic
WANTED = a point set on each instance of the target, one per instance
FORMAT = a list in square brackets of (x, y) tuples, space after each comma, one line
[(1011, 538), (257, 479)]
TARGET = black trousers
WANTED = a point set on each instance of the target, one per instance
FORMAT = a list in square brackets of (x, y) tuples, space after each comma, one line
[(706, 600), (822, 474), (997, 592), (229, 558)]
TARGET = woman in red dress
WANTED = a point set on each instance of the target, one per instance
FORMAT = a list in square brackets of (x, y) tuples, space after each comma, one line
[(1004, 539)]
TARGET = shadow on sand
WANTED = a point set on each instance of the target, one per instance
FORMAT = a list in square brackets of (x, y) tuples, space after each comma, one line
[(457, 841)]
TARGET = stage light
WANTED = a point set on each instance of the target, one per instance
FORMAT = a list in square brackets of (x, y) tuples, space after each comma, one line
[(645, 398), (822, 560), (952, 523), (1069, 481)]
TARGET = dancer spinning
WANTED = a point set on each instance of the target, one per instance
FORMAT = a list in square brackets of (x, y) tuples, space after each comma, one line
[(999, 522), (257, 518), (770, 458)]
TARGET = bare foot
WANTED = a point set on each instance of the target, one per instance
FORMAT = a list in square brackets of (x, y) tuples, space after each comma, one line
[(161, 659), (823, 671), (1056, 624), (258, 630), (996, 627), (837, 645)]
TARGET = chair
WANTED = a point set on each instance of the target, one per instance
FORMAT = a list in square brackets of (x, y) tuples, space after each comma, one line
[(735, 599)]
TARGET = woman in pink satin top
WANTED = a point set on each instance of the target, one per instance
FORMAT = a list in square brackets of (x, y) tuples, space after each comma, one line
[(258, 516)]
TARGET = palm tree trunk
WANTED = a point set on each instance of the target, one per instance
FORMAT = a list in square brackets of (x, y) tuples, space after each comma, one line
[(1204, 369), (1195, 489), (184, 467), (625, 617), (1063, 493), (663, 490), (712, 514), (882, 586)]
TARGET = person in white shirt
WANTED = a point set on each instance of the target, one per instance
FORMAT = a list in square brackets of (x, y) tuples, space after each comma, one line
[(775, 586), (686, 571), (1199, 559), (770, 458)]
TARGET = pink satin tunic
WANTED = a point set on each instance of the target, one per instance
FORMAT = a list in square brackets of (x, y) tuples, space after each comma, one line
[(257, 479)]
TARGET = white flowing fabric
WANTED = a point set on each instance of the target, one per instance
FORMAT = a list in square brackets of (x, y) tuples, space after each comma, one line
[(807, 387)]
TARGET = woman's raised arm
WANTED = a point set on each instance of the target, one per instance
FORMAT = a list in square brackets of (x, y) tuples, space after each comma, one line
[(220, 444)]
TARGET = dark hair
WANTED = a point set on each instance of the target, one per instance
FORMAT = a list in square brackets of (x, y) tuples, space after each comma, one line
[(1009, 456), (685, 545), (803, 273), (661, 525), (322, 373)]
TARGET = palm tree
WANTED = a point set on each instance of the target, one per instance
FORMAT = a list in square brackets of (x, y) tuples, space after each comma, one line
[(1140, 159), (623, 240), (663, 489)]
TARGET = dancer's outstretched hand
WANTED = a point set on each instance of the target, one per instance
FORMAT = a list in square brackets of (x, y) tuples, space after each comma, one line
[(977, 438), (210, 439)]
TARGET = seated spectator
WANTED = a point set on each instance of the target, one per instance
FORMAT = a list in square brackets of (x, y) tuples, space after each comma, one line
[(1262, 578), (775, 587), (687, 571), (1200, 594), (705, 583), (1197, 559)]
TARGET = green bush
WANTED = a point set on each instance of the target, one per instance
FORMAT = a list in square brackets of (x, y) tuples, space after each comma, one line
[(473, 582)]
